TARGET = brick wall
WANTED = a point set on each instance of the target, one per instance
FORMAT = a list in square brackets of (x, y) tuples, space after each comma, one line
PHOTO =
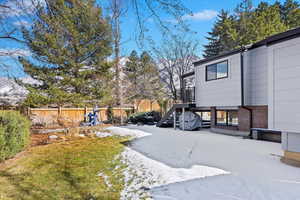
[(260, 116), (244, 119)]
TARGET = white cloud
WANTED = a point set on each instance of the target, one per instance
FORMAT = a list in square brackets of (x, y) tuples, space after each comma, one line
[(14, 52), (201, 16), (22, 23)]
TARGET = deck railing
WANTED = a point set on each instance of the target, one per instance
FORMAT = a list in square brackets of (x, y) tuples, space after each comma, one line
[(188, 95)]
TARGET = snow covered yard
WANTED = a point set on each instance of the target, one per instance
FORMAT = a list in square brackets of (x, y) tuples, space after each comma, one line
[(171, 164), (143, 173)]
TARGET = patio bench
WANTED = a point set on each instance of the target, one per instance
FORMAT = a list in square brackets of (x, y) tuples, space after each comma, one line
[(266, 134)]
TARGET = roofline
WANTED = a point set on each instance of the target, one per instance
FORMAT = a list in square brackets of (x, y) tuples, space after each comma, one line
[(274, 39), (206, 60), (280, 37)]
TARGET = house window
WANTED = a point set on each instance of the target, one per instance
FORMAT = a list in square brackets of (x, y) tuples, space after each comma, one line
[(217, 71), (205, 115), (227, 118), (233, 118)]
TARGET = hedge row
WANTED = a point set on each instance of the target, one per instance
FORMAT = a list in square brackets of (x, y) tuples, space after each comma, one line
[(14, 133)]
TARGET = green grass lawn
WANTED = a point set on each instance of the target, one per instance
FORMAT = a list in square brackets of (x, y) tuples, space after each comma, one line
[(65, 170)]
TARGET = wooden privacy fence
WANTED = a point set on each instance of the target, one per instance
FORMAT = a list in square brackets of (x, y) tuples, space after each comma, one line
[(146, 105), (73, 116), (70, 116)]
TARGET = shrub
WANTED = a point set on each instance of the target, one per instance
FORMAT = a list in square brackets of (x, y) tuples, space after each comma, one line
[(145, 117), (14, 133)]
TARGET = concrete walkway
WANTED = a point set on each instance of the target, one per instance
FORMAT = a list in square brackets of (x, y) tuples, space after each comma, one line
[(256, 170)]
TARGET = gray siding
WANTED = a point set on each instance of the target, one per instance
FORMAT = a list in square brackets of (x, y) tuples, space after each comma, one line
[(222, 92), (256, 76), (284, 90), (272, 77)]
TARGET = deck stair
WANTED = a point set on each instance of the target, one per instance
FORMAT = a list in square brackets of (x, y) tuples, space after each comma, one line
[(170, 113)]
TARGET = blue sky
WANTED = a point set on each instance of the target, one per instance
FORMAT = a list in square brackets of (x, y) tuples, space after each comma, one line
[(205, 12)]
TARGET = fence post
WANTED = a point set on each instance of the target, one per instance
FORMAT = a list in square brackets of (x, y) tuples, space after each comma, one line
[(59, 111), (85, 113), (28, 111)]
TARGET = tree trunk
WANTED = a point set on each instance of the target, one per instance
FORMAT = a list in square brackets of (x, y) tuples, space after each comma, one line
[(116, 37)]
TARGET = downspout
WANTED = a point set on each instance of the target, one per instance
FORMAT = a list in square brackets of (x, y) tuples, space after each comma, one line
[(243, 90), (242, 78)]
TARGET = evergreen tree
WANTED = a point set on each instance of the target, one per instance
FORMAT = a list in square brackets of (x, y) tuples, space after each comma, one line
[(249, 25), (267, 21), (70, 42), (228, 33), (245, 26), (213, 47), (290, 12), (132, 73), (150, 82), (143, 78), (223, 36)]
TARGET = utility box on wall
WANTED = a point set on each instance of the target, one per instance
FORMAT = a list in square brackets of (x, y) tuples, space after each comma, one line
[(291, 142)]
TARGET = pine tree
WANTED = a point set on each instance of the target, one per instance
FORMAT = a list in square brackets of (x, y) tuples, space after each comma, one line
[(228, 34), (222, 37), (267, 21), (143, 78), (245, 26), (291, 13), (132, 73), (150, 82), (70, 42), (213, 47), (249, 25)]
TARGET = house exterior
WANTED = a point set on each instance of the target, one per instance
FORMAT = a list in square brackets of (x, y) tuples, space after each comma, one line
[(254, 87)]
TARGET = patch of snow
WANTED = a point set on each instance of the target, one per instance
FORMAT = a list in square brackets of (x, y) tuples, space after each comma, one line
[(127, 132), (143, 173), (255, 173), (53, 137), (103, 134), (5, 89), (30, 80), (106, 179), (81, 135)]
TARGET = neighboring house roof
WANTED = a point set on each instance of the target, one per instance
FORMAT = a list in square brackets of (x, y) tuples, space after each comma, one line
[(280, 37)]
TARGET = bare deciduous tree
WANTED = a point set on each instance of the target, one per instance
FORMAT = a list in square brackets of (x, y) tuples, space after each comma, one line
[(175, 56), (14, 15), (143, 10)]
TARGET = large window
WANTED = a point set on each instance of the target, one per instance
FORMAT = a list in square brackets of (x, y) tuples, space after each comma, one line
[(205, 115), (227, 118), (217, 71)]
